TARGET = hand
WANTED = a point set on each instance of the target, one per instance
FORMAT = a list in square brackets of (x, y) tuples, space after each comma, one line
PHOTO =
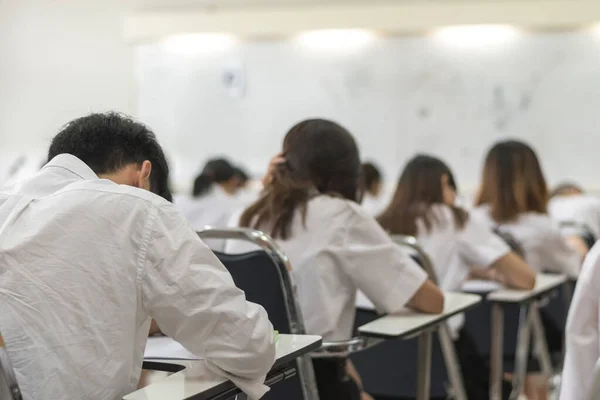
[(275, 161)]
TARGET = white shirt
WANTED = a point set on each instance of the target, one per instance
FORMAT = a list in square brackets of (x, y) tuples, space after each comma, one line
[(454, 251), (86, 262), (582, 332), (373, 205), (581, 209), (212, 209), (338, 250), (544, 246)]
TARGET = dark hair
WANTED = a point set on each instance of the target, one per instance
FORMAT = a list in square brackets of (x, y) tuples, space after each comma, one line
[(370, 175), (109, 142), (419, 187), (242, 176), (513, 182), (566, 188), (322, 157), (217, 170)]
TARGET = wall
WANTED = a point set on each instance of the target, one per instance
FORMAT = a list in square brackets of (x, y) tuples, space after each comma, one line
[(59, 60)]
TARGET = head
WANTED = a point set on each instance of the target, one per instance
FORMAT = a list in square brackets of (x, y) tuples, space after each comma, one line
[(115, 147), (567, 189), (425, 181), (217, 171), (371, 179), (321, 158), (513, 182), (242, 178)]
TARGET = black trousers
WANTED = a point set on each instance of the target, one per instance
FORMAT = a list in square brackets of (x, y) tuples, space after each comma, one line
[(475, 369), (333, 382)]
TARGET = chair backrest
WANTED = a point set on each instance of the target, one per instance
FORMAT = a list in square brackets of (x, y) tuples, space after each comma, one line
[(8, 379), (421, 256), (510, 240), (264, 276)]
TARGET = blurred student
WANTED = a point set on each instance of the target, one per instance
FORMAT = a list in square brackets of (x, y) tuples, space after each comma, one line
[(309, 206), (213, 198), (577, 212), (372, 188), (90, 253), (514, 198), (423, 206), (247, 193), (583, 332)]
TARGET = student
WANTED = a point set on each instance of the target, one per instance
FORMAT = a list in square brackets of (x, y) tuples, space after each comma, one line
[(372, 186), (90, 254), (213, 196), (583, 332), (423, 206), (513, 198), (309, 206), (577, 212)]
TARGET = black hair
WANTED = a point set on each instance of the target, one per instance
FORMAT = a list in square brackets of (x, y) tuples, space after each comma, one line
[(371, 175), (108, 142), (241, 175), (217, 170)]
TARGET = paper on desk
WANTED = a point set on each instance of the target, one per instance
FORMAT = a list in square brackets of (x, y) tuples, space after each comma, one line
[(480, 286), (160, 348)]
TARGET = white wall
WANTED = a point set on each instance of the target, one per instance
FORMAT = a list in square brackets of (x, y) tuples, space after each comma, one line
[(59, 59)]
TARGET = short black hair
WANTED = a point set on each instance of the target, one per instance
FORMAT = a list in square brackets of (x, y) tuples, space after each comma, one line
[(370, 174), (216, 170), (107, 142)]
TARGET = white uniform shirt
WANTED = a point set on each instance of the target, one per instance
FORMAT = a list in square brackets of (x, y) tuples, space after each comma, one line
[(454, 251), (212, 209), (583, 327), (86, 262), (373, 205), (581, 209), (341, 249), (544, 246)]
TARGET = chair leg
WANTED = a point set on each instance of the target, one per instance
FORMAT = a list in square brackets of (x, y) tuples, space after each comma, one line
[(424, 366), (541, 346), (306, 374), (452, 364), (522, 356), (497, 344)]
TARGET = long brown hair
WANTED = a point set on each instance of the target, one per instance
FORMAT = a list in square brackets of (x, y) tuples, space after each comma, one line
[(321, 157), (513, 182), (419, 187)]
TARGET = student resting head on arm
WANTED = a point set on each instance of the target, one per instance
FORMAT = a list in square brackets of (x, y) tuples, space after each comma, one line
[(90, 253), (309, 206), (423, 207)]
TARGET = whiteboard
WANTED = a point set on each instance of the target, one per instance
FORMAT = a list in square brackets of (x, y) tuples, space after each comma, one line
[(398, 96)]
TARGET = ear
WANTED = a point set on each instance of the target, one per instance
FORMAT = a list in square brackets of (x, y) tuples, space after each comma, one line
[(144, 176)]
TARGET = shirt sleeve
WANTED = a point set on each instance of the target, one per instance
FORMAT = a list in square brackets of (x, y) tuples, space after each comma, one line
[(192, 296), (479, 246), (556, 254), (582, 337), (377, 266)]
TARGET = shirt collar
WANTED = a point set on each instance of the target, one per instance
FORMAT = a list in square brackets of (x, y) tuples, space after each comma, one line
[(73, 165)]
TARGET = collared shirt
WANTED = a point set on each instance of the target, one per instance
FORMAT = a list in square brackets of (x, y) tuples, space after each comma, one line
[(337, 249), (544, 246), (85, 263), (454, 251), (582, 332)]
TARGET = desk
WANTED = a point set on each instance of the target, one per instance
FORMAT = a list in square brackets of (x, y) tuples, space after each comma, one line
[(195, 381), (529, 316), (409, 322)]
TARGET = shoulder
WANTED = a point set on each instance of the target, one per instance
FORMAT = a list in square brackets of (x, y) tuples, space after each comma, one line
[(335, 207)]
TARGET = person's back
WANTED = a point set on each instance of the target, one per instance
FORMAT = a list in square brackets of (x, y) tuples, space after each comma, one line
[(87, 258), (74, 315)]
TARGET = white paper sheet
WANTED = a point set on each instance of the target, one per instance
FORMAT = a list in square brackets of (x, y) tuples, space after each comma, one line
[(159, 348)]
